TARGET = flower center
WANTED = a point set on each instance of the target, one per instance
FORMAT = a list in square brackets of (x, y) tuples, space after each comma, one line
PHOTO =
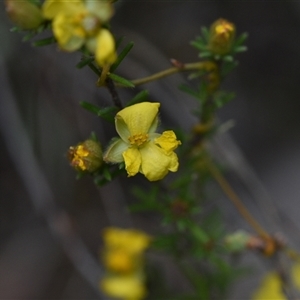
[(224, 29), (85, 24), (77, 155), (90, 24), (138, 139)]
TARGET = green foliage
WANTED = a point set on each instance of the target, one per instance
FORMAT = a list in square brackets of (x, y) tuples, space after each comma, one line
[(122, 81), (107, 113), (44, 42), (121, 56)]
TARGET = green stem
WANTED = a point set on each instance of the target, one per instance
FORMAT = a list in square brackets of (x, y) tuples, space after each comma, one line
[(168, 72)]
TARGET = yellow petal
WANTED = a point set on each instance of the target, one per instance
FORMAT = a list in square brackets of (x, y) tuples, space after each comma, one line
[(168, 141), (137, 119), (132, 158), (270, 288), (105, 48), (51, 8), (124, 287), (70, 36), (131, 240), (102, 9), (295, 274), (156, 162)]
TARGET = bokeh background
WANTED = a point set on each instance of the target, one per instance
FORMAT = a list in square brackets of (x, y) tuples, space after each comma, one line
[(50, 223)]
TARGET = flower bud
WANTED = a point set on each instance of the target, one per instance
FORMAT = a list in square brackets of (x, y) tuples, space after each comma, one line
[(237, 241), (221, 37), (24, 14), (86, 156)]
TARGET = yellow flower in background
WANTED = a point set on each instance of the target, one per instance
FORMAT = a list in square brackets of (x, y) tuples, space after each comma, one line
[(130, 240), (123, 258), (271, 287), (120, 261), (143, 150), (123, 287), (77, 23)]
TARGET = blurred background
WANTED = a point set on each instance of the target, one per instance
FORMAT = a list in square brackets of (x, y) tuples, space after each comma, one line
[(40, 117)]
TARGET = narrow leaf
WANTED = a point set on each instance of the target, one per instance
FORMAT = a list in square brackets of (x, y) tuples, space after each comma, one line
[(44, 42), (120, 80), (106, 113), (84, 62), (121, 56), (188, 90)]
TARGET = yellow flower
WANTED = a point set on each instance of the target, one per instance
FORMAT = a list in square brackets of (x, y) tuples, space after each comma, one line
[(120, 261), (142, 149), (77, 23), (125, 287), (123, 259), (271, 287), (131, 240)]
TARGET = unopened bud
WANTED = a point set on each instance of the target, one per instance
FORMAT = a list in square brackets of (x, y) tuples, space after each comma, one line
[(24, 14), (221, 37), (86, 156), (237, 241)]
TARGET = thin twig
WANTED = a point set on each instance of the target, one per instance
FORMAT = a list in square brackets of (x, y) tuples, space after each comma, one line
[(168, 72), (234, 198), (113, 92)]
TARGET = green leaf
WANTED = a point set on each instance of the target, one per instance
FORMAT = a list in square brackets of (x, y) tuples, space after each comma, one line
[(240, 49), (228, 58), (205, 54), (205, 32), (28, 36), (222, 98), (189, 90), (106, 174), (199, 234), (119, 42), (15, 29), (140, 97), (121, 56), (241, 39), (120, 80), (85, 61), (107, 113), (44, 42)]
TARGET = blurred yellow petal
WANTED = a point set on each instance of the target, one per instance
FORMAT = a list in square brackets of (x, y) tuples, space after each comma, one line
[(124, 287), (270, 288), (119, 260), (132, 159), (102, 9), (131, 240), (296, 274), (51, 8), (105, 48), (69, 34)]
